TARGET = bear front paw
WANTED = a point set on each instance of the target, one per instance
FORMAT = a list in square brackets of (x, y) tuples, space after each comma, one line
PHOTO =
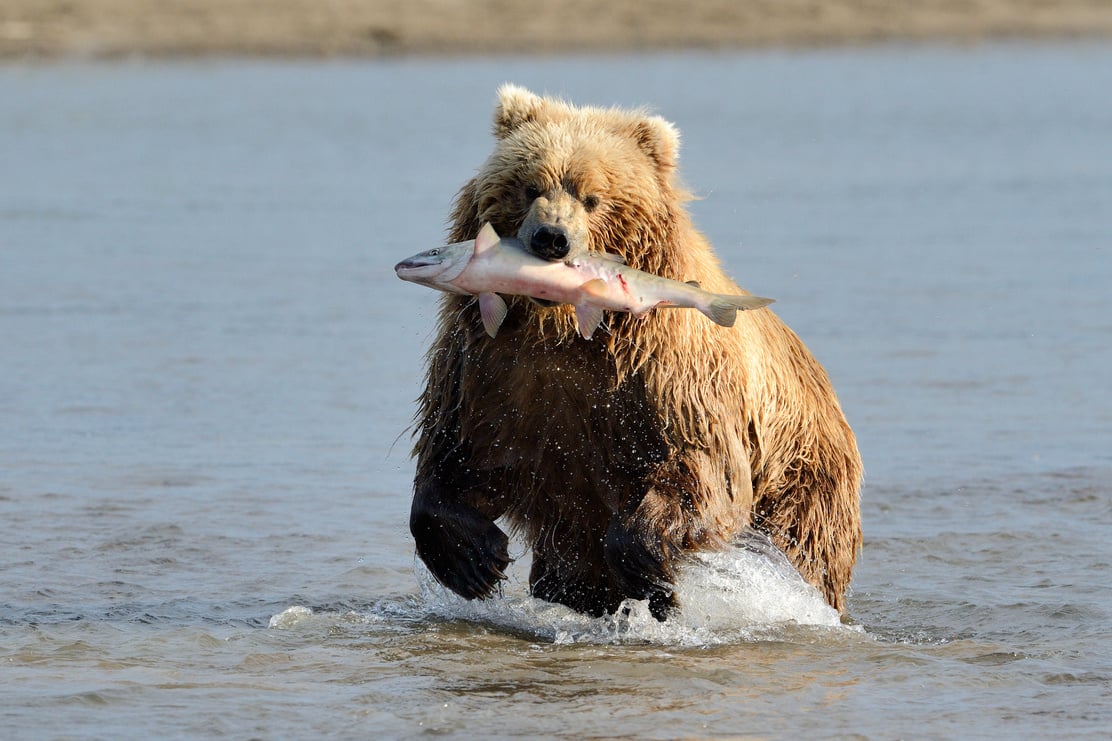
[(464, 550), (640, 563)]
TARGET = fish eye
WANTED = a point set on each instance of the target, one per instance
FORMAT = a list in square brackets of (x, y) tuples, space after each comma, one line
[(433, 252)]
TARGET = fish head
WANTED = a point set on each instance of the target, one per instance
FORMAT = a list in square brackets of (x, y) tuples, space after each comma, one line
[(438, 267)]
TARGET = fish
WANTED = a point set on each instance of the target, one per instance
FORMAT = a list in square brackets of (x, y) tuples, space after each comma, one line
[(489, 265)]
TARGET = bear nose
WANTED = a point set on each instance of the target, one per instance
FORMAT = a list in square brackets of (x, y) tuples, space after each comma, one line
[(550, 242)]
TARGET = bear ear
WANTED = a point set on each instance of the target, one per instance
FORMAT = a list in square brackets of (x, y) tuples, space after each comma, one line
[(516, 106), (659, 139)]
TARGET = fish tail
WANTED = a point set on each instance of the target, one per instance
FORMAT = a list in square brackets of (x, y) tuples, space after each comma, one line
[(723, 308)]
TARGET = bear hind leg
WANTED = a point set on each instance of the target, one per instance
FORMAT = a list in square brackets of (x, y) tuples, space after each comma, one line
[(553, 580)]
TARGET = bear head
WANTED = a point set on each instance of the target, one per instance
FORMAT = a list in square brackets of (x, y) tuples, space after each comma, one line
[(569, 180)]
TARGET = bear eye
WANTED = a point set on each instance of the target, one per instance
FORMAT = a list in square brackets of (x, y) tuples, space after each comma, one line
[(532, 192), (590, 203)]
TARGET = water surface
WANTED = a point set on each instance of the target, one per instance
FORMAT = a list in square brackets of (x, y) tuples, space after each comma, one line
[(207, 369)]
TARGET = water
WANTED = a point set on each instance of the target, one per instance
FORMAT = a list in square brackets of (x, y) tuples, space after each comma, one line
[(207, 369)]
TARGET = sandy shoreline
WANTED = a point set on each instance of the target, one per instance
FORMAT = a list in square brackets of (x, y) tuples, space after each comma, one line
[(35, 29)]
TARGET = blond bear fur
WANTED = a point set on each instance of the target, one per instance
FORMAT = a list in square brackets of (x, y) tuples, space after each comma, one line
[(664, 434)]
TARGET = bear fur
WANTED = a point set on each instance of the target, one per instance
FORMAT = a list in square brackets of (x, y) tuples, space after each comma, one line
[(665, 434)]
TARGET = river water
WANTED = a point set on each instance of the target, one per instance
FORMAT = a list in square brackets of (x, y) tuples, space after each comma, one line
[(207, 370)]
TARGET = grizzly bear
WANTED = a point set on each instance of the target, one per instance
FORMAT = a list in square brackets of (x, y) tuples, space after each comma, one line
[(665, 434)]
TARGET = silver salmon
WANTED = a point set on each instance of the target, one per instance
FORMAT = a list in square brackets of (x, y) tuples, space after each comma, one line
[(489, 265)]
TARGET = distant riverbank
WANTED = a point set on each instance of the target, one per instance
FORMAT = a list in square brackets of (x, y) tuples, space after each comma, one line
[(122, 28)]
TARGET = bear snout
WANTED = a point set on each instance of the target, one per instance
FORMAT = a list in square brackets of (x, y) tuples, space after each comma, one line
[(550, 242), (555, 226)]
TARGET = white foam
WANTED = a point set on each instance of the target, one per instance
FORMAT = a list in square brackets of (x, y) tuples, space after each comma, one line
[(746, 592), (290, 617)]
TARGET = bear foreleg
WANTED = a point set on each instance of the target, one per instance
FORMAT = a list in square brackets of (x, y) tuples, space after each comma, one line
[(459, 544)]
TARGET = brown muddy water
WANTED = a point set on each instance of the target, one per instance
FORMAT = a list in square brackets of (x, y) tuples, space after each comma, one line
[(207, 369)]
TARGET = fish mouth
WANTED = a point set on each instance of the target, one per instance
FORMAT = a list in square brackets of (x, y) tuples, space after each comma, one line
[(421, 273), (413, 263), (420, 270)]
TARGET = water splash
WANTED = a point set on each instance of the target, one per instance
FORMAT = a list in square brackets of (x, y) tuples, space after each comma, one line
[(747, 592), (290, 617), (750, 584)]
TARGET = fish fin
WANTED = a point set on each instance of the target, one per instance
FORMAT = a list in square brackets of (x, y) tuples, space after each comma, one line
[(613, 257), (588, 316), (595, 288), (694, 283), (487, 238), (724, 308), (492, 308)]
